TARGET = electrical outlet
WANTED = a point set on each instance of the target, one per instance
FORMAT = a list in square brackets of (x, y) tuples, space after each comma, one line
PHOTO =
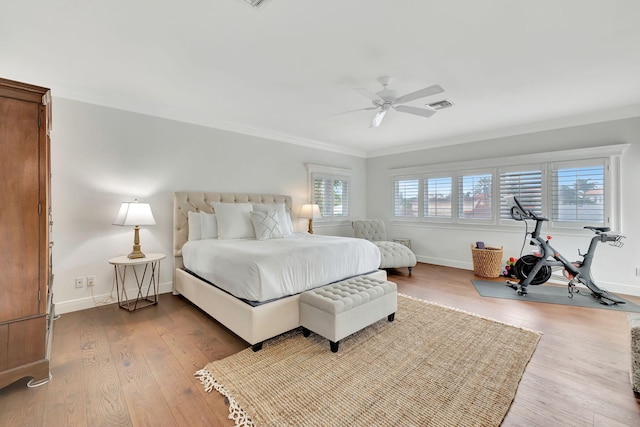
[(91, 280), (637, 271), (79, 282)]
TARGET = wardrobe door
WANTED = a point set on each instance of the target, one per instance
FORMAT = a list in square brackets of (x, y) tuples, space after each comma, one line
[(20, 226)]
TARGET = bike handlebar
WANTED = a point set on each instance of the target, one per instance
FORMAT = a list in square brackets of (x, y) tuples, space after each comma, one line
[(519, 213)]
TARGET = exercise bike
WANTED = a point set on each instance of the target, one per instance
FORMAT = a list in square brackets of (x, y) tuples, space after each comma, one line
[(536, 269)]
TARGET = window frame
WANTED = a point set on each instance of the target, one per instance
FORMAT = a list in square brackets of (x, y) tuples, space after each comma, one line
[(583, 163), (609, 155), (460, 175), (522, 168), (395, 197), (452, 196), (314, 172)]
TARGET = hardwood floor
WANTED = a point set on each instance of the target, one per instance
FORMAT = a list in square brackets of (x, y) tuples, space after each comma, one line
[(114, 368)]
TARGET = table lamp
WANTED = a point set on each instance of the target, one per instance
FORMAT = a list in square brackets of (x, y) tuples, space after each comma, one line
[(310, 211), (136, 214)]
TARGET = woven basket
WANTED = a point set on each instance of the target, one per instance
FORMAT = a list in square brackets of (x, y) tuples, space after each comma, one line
[(487, 262)]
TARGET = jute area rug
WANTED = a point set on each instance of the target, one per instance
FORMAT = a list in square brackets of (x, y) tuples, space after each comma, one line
[(432, 366)]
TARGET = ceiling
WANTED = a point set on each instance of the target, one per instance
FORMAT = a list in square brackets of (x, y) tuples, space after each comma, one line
[(282, 71)]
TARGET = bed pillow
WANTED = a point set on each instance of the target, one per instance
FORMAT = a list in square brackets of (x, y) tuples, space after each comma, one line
[(266, 226), (195, 228), (284, 219), (234, 220), (209, 225)]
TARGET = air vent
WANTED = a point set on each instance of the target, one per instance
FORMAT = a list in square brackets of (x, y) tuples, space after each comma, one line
[(256, 3), (445, 103)]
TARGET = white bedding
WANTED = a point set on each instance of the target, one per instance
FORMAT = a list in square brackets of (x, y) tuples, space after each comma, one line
[(263, 270)]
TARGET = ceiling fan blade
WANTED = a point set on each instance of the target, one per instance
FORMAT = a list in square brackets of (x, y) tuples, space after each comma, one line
[(424, 112), (372, 96), (353, 111), (378, 119), (427, 91)]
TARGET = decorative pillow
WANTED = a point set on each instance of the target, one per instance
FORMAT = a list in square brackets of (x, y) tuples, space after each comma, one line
[(284, 219), (266, 225), (234, 220), (195, 229), (209, 225)]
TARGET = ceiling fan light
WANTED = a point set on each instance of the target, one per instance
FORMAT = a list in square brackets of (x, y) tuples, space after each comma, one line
[(378, 118)]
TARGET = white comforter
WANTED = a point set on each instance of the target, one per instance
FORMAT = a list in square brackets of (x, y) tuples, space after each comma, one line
[(263, 270)]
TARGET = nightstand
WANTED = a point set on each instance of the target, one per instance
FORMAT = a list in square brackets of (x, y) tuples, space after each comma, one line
[(146, 274), (403, 241)]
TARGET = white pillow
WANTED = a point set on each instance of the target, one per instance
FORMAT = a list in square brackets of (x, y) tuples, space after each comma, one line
[(209, 225), (195, 229), (234, 220), (284, 219), (266, 225)]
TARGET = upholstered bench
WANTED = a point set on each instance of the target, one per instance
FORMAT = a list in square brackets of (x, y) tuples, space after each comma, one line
[(338, 310)]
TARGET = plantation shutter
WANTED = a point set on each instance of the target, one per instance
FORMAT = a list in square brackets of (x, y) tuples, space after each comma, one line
[(406, 197), (578, 193), (331, 194), (475, 197), (437, 197), (526, 185)]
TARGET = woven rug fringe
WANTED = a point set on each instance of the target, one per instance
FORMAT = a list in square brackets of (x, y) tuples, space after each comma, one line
[(236, 413)]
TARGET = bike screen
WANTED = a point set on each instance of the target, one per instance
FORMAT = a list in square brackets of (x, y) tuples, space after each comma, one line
[(515, 208)]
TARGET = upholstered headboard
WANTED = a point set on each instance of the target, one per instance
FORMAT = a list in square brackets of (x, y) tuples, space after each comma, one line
[(185, 201)]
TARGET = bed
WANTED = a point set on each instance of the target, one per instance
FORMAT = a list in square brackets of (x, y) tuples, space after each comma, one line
[(262, 314)]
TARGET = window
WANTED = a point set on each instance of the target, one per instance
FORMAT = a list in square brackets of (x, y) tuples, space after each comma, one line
[(406, 198), (526, 184), (572, 188), (437, 197), (331, 191), (475, 196), (578, 193)]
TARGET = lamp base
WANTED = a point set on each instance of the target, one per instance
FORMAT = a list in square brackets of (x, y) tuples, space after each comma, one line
[(310, 226), (134, 255), (136, 252)]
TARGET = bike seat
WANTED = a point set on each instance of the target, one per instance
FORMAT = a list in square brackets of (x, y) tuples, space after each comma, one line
[(600, 229)]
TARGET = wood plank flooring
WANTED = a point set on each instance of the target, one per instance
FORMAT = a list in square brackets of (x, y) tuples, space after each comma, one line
[(115, 368)]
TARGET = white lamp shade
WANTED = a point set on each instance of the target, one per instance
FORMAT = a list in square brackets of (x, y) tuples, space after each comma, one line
[(310, 211), (134, 213)]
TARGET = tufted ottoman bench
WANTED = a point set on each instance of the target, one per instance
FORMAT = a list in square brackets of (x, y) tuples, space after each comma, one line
[(338, 310)]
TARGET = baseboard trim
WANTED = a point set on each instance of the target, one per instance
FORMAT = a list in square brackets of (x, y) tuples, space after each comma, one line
[(88, 302)]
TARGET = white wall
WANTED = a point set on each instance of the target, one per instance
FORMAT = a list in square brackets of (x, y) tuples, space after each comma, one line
[(102, 157), (614, 268)]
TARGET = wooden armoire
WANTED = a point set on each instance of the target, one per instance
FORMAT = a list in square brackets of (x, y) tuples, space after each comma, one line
[(26, 299)]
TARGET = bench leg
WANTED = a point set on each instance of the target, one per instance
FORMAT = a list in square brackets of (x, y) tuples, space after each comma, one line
[(306, 332), (334, 346), (391, 317), (410, 268)]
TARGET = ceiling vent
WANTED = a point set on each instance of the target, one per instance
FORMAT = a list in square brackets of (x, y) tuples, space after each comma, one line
[(445, 103), (256, 3)]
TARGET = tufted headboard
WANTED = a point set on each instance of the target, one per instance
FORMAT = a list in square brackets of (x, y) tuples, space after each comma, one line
[(185, 201)]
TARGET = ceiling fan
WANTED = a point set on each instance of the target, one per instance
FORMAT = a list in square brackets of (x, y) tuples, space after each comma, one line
[(387, 99)]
